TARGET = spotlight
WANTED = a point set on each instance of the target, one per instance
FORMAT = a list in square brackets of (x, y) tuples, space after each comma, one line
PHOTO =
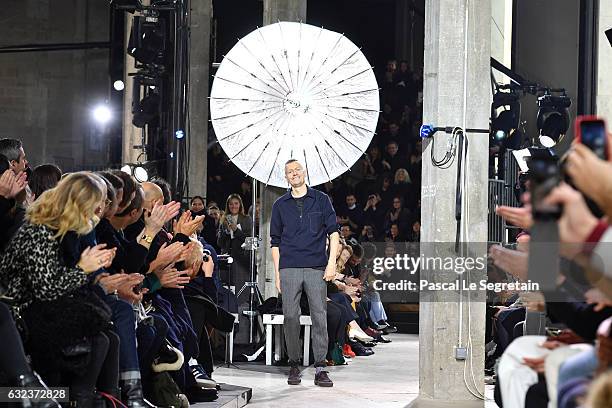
[(102, 114), (146, 110), (553, 118), (141, 174), (505, 123), (118, 85), (127, 169), (147, 43), (179, 134)]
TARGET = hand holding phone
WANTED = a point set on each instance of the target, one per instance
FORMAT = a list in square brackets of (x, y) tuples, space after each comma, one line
[(591, 132)]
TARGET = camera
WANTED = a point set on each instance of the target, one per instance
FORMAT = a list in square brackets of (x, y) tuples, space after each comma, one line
[(206, 255), (544, 176)]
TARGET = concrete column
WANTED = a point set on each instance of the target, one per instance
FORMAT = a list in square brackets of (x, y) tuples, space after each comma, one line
[(132, 136), (443, 320), (199, 65), (284, 10), (274, 11), (604, 61)]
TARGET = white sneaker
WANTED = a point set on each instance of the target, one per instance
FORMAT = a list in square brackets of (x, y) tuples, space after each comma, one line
[(359, 335)]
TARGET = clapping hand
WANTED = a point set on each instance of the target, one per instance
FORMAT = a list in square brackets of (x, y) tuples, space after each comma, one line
[(168, 254), (94, 258), (125, 289), (161, 214), (111, 283), (11, 185), (187, 226), (171, 278)]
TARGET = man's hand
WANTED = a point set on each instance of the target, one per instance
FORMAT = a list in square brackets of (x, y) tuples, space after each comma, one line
[(168, 254), (330, 272), (111, 283), (598, 298), (577, 221), (511, 261), (187, 226), (277, 283), (591, 175), (171, 278), (518, 216), (535, 363), (208, 267), (160, 214), (126, 289), (11, 185)]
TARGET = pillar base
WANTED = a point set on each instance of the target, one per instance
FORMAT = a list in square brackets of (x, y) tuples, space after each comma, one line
[(421, 402)]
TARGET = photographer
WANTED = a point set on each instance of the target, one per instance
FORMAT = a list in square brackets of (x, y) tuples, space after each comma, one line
[(583, 239)]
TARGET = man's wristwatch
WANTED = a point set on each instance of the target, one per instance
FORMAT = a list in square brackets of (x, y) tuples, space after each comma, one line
[(147, 238)]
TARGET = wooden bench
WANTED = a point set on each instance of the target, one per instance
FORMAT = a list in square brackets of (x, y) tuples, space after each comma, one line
[(271, 320)]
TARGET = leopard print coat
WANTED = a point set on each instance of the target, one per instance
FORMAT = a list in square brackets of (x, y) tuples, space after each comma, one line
[(31, 268)]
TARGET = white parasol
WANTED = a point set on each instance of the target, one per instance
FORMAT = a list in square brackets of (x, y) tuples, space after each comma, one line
[(292, 90)]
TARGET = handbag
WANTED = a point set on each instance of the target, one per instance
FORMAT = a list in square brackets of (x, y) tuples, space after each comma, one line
[(58, 332)]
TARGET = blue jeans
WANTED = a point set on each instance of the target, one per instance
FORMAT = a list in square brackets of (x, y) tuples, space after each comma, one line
[(581, 365), (124, 325)]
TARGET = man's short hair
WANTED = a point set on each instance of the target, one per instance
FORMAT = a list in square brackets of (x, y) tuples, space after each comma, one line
[(111, 178), (357, 251), (4, 164), (135, 204), (290, 161), (10, 148), (129, 186)]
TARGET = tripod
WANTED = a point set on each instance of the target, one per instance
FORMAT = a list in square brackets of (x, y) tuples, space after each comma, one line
[(252, 244)]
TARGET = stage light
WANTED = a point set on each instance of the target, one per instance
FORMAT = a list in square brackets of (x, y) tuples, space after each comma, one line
[(102, 114), (553, 118), (118, 85), (127, 169), (505, 119), (179, 134), (146, 110), (147, 43), (141, 174)]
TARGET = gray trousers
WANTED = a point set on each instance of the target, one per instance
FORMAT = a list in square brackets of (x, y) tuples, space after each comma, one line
[(293, 282)]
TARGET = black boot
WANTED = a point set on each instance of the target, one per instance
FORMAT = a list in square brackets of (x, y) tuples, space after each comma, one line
[(81, 398), (131, 394), (33, 380)]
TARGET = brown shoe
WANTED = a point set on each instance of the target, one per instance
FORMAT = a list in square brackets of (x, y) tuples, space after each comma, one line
[(322, 380), (295, 376)]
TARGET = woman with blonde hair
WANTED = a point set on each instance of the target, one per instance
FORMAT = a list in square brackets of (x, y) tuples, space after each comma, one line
[(65, 322), (234, 227)]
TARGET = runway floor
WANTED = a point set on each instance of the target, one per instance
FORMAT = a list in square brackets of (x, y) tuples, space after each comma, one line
[(388, 379)]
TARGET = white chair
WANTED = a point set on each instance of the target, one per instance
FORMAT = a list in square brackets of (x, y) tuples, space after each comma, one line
[(271, 320)]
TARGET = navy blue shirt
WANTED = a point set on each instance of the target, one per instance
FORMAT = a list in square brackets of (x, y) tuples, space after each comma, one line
[(301, 238)]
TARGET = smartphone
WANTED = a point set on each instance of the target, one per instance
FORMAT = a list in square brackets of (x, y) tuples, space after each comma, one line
[(591, 132)]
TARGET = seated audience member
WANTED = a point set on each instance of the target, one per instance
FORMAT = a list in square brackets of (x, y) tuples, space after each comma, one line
[(394, 234), (398, 214), (43, 178), (209, 227), (11, 186), (403, 188), (71, 206)]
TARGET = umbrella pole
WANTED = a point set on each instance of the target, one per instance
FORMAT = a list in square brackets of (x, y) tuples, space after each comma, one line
[(252, 245)]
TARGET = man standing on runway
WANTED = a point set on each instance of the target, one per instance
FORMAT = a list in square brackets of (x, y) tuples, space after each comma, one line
[(302, 219)]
